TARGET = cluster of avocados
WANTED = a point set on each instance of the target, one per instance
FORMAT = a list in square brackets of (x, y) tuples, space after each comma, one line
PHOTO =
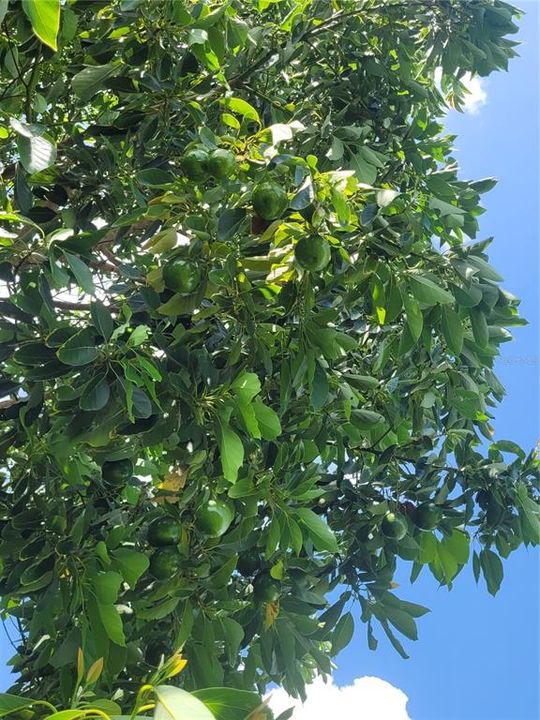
[(311, 252), (269, 200), (198, 164), (425, 517), (212, 520)]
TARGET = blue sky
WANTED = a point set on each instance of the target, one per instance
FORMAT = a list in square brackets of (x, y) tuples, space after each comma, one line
[(477, 656)]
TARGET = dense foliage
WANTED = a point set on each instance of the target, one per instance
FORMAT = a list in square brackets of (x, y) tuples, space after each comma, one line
[(248, 334)]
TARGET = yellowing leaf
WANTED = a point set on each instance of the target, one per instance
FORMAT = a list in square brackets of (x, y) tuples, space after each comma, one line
[(172, 483), (271, 611), (94, 671), (174, 665)]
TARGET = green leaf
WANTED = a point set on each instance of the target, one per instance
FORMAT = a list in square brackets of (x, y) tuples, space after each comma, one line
[(372, 156), (177, 305), (139, 336), (228, 703), (12, 703), (364, 171), (241, 107), (428, 548), (155, 177), (101, 318), (413, 609), (231, 452), (176, 704), (379, 299), (3, 9), (89, 81), (246, 386), (366, 419), (361, 382), (250, 420), (79, 350), (233, 634), (393, 639), (428, 292), (445, 209), (445, 563), (467, 295), (229, 222), (96, 394), (479, 326), (106, 586), (509, 446), (268, 420), (493, 570), (343, 633), (157, 611), (458, 545), (131, 563), (142, 405), (37, 150), (372, 640), (476, 566), (321, 535), (319, 388), (483, 268), (415, 318), (82, 273), (402, 621), (44, 16), (112, 622), (197, 36), (223, 574), (452, 330), (484, 185)]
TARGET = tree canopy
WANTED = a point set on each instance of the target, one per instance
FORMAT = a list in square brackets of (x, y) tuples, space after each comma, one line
[(248, 334)]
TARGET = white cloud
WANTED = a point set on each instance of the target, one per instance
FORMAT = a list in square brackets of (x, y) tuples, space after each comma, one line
[(368, 698), (477, 96)]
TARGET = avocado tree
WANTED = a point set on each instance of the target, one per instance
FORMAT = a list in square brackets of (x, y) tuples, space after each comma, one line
[(248, 334)]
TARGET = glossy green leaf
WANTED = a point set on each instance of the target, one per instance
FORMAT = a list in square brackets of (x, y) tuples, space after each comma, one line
[(228, 703), (343, 633), (242, 107), (12, 703), (82, 273), (78, 350), (415, 319), (44, 16), (173, 703), (37, 149), (102, 318), (91, 80), (246, 386), (229, 222), (231, 452), (132, 564), (96, 394), (320, 534), (428, 292), (492, 569), (452, 328), (268, 420), (112, 622)]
